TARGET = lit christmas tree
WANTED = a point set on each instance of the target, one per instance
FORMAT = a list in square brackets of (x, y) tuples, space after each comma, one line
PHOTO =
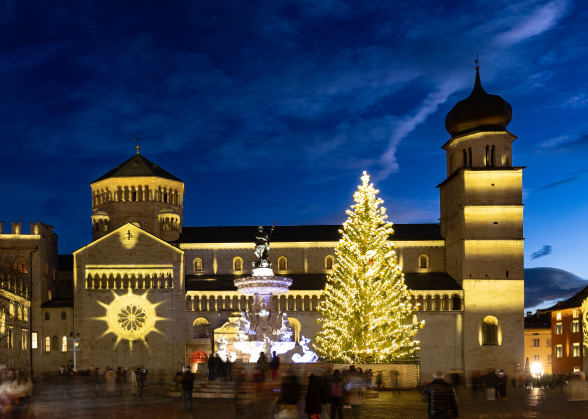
[(366, 310)]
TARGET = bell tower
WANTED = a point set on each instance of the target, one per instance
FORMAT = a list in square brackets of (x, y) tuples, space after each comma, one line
[(482, 223), (140, 192)]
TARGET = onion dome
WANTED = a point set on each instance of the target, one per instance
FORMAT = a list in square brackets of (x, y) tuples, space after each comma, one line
[(480, 111)]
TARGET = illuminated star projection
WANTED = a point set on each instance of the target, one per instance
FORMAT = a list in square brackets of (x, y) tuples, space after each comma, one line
[(131, 317)]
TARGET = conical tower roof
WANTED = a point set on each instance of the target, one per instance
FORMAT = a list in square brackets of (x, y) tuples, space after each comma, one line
[(137, 166), (480, 111)]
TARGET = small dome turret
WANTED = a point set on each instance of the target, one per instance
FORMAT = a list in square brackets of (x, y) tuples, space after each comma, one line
[(480, 111)]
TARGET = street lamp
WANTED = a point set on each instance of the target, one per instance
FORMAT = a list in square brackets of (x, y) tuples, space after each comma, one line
[(75, 346)]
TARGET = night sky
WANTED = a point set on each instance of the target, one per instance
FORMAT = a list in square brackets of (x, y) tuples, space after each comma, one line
[(271, 110)]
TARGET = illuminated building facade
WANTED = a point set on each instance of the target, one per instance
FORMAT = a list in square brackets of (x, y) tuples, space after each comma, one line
[(568, 333), (28, 269), (148, 291), (538, 354)]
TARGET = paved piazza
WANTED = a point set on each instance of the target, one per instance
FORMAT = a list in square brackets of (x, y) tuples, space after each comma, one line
[(533, 403)]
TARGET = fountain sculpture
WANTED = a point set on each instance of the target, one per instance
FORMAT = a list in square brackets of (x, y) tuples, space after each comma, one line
[(262, 328)]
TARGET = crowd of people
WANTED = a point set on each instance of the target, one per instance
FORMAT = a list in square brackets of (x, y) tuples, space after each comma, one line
[(111, 382), (331, 392), (15, 392)]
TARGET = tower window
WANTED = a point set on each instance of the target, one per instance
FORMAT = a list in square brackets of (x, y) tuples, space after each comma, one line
[(237, 264), (282, 263), (490, 155), (490, 331), (329, 260), (134, 196), (423, 261), (63, 315), (198, 265)]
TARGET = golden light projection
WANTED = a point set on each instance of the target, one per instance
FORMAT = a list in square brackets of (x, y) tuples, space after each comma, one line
[(131, 317)]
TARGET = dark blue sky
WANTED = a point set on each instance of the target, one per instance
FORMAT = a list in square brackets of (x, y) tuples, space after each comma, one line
[(271, 110)]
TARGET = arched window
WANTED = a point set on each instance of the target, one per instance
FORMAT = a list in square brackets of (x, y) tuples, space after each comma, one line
[(47, 344), (490, 331), (423, 261), (54, 343), (200, 328), (282, 263), (63, 315), (46, 315), (237, 264), (456, 302), (198, 265), (64, 344), (329, 260)]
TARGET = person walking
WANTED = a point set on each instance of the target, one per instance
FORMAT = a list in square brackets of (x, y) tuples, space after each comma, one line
[(187, 387), (274, 365), (441, 398), (289, 396), (336, 393), (313, 405)]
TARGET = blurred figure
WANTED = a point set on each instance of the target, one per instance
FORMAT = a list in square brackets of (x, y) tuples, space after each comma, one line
[(110, 377), (63, 380), (141, 374), (289, 396), (441, 398), (336, 394), (21, 389), (313, 400), (501, 384), (187, 387), (274, 365)]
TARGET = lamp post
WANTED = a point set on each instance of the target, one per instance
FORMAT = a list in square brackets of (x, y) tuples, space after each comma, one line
[(75, 346)]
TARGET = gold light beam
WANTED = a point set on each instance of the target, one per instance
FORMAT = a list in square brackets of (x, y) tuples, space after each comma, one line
[(131, 317)]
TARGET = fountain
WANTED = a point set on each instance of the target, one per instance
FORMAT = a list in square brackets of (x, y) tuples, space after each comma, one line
[(262, 328)]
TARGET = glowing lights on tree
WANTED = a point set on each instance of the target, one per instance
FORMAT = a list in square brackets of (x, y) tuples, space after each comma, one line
[(366, 310)]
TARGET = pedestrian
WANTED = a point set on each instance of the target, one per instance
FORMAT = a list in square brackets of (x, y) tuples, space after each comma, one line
[(110, 377), (187, 387), (441, 398), (210, 365), (141, 374), (289, 396), (313, 400), (262, 361), (336, 393), (274, 365), (501, 384), (63, 379)]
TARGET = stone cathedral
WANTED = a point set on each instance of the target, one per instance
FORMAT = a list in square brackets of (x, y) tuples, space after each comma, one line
[(148, 291)]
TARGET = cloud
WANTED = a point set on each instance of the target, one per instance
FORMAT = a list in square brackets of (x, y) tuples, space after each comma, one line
[(559, 183), (545, 250), (534, 23), (546, 284), (388, 161)]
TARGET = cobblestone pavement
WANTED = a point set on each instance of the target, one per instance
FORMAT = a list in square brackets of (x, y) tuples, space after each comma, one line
[(532, 403)]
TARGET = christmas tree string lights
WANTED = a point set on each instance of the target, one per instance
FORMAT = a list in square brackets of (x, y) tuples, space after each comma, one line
[(365, 310)]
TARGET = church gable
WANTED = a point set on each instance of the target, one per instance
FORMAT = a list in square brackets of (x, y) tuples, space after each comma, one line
[(128, 245), (131, 256)]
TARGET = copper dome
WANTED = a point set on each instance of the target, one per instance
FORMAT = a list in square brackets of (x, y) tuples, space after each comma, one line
[(480, 111)]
